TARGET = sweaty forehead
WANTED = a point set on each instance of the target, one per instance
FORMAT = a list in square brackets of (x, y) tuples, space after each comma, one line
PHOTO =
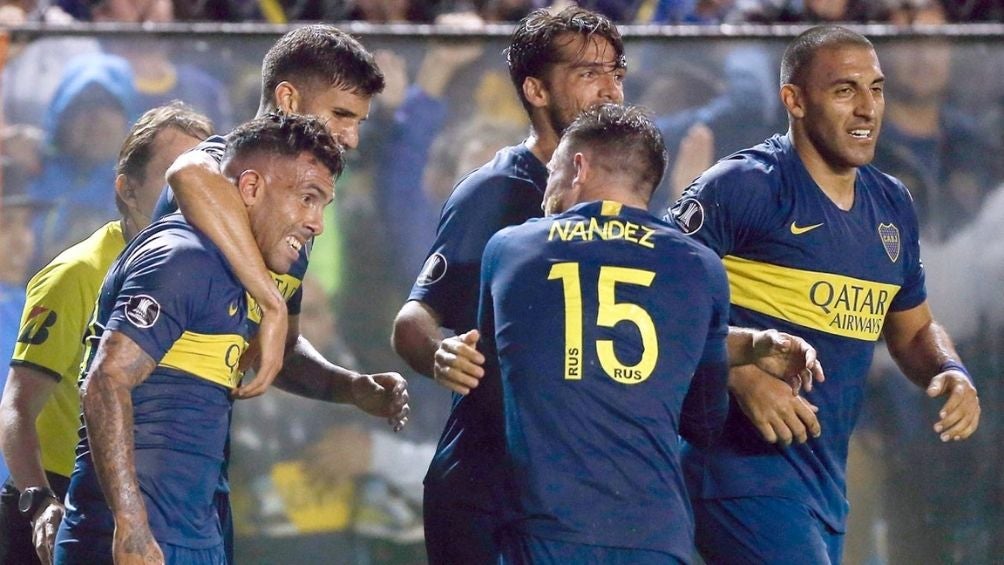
[(574, 49), (831, 63)]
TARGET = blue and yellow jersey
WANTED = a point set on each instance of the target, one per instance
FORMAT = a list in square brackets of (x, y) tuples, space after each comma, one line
[(173, 294), (798, 263), (289, 284), (598, 321), (60, 302), (506, 191)]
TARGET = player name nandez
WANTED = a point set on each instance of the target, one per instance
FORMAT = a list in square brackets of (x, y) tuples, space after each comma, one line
[(601, 230)]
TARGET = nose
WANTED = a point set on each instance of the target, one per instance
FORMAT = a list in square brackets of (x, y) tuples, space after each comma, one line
[(349, 137), (611, 89), (314, 221), (866, 105)]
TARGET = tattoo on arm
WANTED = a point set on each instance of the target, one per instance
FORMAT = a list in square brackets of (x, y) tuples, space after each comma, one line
[(118, 366)]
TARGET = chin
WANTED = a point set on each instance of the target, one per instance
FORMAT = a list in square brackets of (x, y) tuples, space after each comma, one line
[(279, 267)]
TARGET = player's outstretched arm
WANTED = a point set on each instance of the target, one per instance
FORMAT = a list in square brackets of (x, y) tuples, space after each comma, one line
[(926, 355), (118, 366), (25, 393), (212, 204), (458, 363), (307, 373), (782, 356), (416, 337)]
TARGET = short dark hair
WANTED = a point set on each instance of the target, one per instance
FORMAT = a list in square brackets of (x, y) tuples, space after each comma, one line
[(626, 140), (317, 55), (531, 51), (798, 55), (285, 135), (137, 149)]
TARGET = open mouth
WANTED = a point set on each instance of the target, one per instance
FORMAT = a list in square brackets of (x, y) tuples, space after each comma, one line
[(861, 133), (294, 243)]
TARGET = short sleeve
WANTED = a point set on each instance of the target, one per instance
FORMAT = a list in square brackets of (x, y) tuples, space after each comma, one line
[(914, 289), (157, 300), (60, 300), (449, 279), (726, 206)]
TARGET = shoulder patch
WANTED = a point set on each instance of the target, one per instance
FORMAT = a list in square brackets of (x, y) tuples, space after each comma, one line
[(689, 215), (36, 328), (433, 270), (142, 310)]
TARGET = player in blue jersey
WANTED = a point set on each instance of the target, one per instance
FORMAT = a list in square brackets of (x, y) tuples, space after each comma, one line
[(560, 64), (165, 348), (316, 70), (606, 330), (818, 243)]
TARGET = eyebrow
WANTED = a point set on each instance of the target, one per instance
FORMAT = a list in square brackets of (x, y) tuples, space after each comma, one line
[(612, 66), (852, 82), (328, 197)]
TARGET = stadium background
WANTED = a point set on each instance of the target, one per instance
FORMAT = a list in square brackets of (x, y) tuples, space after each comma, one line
[(315, 483)]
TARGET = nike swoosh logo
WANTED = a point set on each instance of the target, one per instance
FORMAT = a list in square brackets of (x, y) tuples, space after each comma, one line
[(232, 309), (796, 230)]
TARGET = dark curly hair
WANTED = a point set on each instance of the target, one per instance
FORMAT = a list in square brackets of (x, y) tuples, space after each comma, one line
[(532, 52), (286, 135), (319, 55)]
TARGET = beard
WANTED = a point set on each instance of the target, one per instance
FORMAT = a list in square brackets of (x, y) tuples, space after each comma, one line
[(559, 119)]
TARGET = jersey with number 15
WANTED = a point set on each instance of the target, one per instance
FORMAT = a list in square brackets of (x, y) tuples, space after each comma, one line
[(599, 321)]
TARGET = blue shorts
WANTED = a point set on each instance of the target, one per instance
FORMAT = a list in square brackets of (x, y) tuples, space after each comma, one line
[(455, 534), (98, 552), (524, 549), (762, 529)]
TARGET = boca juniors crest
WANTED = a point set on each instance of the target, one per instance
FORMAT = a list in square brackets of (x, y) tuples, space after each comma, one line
[(889, 234)]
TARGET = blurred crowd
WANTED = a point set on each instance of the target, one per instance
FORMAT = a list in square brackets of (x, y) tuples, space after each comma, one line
[(310, 479), (700, 12)]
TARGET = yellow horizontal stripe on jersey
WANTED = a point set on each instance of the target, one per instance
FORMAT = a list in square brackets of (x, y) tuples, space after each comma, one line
[(214, 358), (287, 284), (829, 303)]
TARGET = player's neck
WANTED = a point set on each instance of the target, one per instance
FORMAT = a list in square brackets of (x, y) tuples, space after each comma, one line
[(837, 183), (542, 142)]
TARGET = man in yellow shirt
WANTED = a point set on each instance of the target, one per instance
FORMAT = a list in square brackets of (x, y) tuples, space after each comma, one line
[(40, 411)]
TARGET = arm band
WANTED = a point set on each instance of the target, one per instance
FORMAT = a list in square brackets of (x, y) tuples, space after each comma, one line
[(953, 365)]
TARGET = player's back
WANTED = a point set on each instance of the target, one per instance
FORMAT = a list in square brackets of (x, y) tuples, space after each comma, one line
[(601, 316)]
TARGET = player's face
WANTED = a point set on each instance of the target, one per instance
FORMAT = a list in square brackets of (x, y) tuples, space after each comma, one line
[(842, 104), (560, 172), (168, 144), (291, 210), (17, 240), (588, 74), (342, 112)]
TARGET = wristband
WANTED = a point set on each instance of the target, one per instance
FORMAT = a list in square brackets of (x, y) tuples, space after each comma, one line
[(953, 365)]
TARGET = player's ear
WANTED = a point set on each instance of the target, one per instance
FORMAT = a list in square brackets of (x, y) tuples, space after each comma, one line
[(250, 184), (287, 98), (535, 92), (583, 169), (124, 191), (791, 97)]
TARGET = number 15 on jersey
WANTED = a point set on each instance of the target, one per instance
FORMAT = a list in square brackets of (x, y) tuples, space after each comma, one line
[(609, 314)]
